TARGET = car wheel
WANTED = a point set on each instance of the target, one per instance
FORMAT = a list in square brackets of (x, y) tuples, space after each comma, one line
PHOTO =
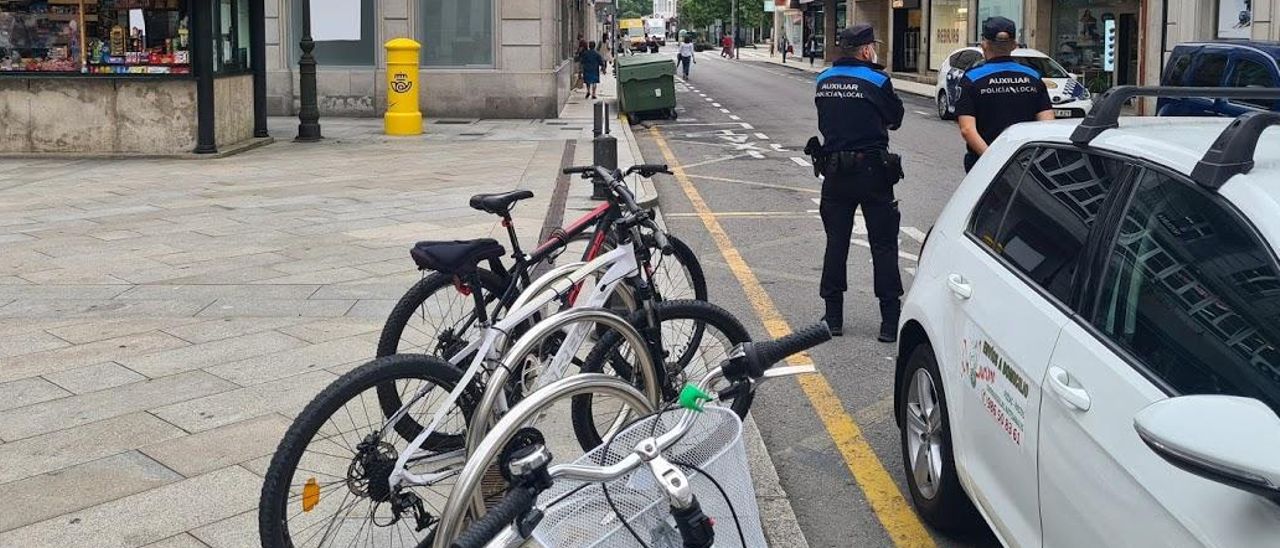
[(926, 446), (944, 111)]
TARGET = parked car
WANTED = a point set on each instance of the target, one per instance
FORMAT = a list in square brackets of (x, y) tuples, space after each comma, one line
[(1220, 64), (1090, 352), (1070, 98)]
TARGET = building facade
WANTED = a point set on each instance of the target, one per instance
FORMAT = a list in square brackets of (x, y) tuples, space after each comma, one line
[(920, 34), (480, 58)]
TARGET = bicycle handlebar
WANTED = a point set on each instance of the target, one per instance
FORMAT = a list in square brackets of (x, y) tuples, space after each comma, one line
[(518, 501), (759, 357)]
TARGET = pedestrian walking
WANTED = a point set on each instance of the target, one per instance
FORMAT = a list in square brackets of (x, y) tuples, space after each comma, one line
[(857, 107), (592, 64), (726, 46), (653, 45), (813, 48), (685, 56), (783, 46), (577, 63), (999, 92)]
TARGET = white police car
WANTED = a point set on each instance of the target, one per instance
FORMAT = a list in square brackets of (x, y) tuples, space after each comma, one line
[(1090, 353), (1070, 98)]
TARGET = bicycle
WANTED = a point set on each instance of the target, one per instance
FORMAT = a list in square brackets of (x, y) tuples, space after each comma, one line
[(576, 516), (378, 468)]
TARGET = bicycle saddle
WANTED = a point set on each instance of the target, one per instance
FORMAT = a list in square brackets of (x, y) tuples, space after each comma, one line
[(455, 257), (500, 203)]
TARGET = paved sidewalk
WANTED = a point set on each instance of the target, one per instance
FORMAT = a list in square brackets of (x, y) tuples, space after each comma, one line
[(762, 54)]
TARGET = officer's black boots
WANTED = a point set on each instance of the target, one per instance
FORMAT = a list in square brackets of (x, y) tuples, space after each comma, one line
[(835, 316), (889, 312)]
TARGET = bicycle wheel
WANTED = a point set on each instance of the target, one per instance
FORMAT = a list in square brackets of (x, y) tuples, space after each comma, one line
[(445, 316), (688, 356), (327, 482)]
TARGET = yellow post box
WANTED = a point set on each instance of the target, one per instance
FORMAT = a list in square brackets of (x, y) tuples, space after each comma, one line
[(403, 116)]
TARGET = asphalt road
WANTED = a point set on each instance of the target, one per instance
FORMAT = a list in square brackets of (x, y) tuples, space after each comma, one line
[(741, 127)]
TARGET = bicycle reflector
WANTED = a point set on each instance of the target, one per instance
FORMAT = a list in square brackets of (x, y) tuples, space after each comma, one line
[(691, 397), (310, 495)]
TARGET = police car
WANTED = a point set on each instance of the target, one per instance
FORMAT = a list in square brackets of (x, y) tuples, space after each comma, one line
[(1070, 98), (1090, 353)]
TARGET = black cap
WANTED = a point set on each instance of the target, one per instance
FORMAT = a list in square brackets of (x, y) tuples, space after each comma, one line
[(999, 29), (860, 34)]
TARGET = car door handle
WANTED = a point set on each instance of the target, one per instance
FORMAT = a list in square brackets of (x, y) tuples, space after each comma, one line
[(1060, 382), (959, 287)]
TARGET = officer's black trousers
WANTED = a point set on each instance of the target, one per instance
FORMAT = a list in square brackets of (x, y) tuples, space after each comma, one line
[(841, 195)]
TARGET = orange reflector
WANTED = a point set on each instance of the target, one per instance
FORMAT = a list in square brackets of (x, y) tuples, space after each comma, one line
[(310, 495)]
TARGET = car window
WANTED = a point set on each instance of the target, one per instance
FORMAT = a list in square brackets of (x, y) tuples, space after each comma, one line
[(1193, 294), (964, 59), (1048, 217), (1048, 68), (986, 218), (1249, 73), (1177, 69), (1209, 71)]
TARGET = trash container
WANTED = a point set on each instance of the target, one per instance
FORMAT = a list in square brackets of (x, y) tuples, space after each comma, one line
[(647, 86)]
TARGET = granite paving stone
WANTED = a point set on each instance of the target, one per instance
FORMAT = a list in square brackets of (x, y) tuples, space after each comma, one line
[(220, 447), (81, 486), (210, 353), (93, 378), (71, 357), (62, 448), (24, 392), (225, 407)]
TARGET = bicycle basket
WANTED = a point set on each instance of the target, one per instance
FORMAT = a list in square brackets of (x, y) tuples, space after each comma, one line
[(579, 516)]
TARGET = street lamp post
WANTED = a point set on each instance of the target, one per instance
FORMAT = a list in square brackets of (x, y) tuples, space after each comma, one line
[(309, 111), (733, 26)]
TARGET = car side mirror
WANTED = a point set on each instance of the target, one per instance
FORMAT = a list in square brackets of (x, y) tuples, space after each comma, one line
[(1227, 439)]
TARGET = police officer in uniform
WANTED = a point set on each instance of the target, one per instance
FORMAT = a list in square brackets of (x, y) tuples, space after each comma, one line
[(856, 109), (999, 92)]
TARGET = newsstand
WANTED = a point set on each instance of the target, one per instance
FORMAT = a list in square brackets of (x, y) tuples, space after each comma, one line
[(647, 86)]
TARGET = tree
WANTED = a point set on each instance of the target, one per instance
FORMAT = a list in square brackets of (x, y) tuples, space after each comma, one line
[(699, 14), (631, 9)]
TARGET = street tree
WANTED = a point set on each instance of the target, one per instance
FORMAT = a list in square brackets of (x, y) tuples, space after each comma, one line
[(631, 9)]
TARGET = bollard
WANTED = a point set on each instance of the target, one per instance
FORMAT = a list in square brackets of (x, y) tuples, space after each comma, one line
[(604, 152), (403, 116)]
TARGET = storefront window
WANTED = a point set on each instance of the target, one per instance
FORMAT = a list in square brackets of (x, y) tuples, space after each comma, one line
[(457, 33), (231, 36), (119, 36), (356, 52), (1077, 39), (1009, 9), (842, 14), (949, 21)]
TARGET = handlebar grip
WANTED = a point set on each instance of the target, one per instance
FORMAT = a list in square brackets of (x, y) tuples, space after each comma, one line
[(653, 168), (517, 502), (578, 169), (762, 355)]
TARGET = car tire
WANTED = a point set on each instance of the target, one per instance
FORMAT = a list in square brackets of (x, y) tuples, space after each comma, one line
[(938, 496), (944, 109)]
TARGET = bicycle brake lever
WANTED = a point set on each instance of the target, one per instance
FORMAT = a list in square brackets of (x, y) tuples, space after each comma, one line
[(788, 371)]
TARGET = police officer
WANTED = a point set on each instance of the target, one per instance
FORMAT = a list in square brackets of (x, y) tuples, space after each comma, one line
[(856, 109), (998, 92)]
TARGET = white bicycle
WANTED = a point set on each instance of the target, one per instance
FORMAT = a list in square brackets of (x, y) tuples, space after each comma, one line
[(350, 469)]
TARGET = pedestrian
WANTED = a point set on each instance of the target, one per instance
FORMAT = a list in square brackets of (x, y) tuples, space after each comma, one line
[(685, 56), (811, 48), (726, 46), (577, 63), (857, 107), (592, 64), (782, 46), (653, 45), (998, 92)]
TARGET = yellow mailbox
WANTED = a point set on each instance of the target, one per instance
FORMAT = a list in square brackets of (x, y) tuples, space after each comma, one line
[(403, 116)]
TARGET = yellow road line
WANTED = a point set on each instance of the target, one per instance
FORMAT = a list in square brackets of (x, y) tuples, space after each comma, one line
[(893, 511)]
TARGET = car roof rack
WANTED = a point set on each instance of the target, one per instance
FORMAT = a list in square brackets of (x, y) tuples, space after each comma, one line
[(1232, 153), (1106, 109)]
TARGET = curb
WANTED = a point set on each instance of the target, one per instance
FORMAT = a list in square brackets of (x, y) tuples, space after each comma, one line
[(899, 85), (777, 517)]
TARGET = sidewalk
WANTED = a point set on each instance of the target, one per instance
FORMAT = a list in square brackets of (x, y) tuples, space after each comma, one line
[(762, 54), (161, 321)]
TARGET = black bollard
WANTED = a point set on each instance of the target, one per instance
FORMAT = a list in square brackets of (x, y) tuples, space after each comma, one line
[(604, 151)]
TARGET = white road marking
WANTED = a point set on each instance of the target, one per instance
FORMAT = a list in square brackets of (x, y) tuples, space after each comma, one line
[(708, 99), (734, 117), (913, 233), (762, 137), (747, 126), (911, 271), (724, 110), (701, 94), (903, 254), (922, 113), (801, 161), (717, 105), (756, 155), (777, 147)]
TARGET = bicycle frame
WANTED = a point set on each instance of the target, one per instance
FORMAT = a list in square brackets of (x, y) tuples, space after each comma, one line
[(615, 266)]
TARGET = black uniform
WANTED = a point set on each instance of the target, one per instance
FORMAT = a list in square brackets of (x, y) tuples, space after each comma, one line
[(1000, 93), (856, 109)]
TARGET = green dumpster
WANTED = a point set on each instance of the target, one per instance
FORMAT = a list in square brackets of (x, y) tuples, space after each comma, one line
[(647, 86)]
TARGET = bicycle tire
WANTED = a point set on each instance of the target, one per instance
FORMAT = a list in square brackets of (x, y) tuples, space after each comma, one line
[(413, 299), (702, 313), (276, 488)]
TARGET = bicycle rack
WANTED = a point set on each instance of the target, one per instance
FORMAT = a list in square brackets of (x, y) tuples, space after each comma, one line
[(529, 342), (506, 428), (545, 281)]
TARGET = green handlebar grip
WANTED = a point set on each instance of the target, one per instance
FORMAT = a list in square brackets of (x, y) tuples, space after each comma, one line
[(691, 397)]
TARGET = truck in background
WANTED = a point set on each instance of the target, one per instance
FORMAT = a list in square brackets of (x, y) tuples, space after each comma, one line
[(657, 28), (633, 32)]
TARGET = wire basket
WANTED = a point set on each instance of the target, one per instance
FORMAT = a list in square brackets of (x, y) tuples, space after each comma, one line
[(578, 515)]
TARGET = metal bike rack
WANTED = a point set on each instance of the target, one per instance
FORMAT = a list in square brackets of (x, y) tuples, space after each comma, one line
[(506, 428), (545, 281), (527, 343)]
